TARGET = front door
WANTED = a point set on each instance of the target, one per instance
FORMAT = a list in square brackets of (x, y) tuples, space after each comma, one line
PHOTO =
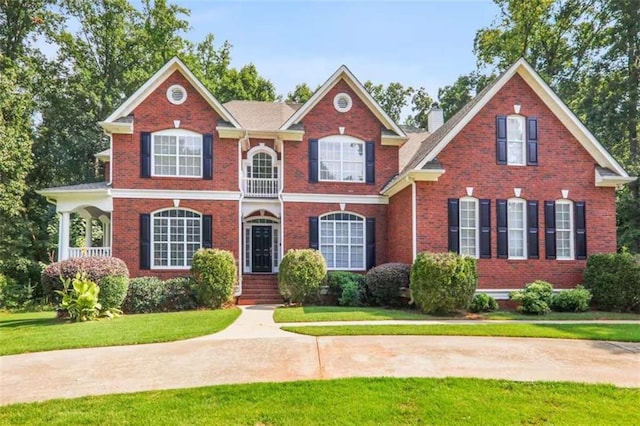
[(261, 246)]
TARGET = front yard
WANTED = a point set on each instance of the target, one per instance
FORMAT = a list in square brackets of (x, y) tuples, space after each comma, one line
[(42, 331), (386, 401)]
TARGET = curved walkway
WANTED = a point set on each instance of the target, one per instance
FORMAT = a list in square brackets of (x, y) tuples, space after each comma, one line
[(254, 349)]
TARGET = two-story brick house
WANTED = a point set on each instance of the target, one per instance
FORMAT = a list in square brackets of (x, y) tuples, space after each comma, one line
[(514, 179)]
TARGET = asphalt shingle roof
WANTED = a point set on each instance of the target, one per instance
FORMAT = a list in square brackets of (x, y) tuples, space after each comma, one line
[(256, 115)]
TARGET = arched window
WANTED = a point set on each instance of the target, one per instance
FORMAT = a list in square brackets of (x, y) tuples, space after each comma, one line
[(176, 236), (516, 140), (341, 159), (342, 240), (177, 152), (469, 233), (517, 227), (564, 230)]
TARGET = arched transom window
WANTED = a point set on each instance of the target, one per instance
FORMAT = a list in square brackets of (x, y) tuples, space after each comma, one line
[(342, 240), (177, 234)]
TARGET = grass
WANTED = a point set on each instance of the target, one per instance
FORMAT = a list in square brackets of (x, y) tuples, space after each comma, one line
[(42, 331), (341, 313), (613, 332), (379, 401)]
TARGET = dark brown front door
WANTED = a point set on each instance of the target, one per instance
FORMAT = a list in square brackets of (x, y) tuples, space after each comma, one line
[(261, 246)]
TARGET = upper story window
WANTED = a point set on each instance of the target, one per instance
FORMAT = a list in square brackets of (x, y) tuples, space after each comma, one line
[(342, 241), (176, 236), (469, 219), (517, 228), (515, 140), (177, 152), (342, 159), (564, 230)]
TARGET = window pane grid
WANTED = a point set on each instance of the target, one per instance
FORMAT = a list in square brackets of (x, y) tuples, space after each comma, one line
[(564, 230), (176, 237), (469, 228), (342, 241), (177, 155), (341, 161), (516, 224), (515, 140)]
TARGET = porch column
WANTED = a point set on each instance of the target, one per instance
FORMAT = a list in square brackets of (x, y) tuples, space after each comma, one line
[(63, 236), (88, 231), (106, 231)]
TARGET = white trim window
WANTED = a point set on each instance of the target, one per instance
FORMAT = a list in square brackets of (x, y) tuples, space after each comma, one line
[(564, 230), (342, 241), (176, 236), (517, 226), (341, 159), (469, 220), (515, 140), (176, 152)]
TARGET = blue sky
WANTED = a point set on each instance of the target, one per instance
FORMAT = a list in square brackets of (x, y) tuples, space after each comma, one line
[(418, 43)]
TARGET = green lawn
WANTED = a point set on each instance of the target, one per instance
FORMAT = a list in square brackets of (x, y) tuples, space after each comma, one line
[(41, 331), (380, 401), (341, 313), (614, 332)]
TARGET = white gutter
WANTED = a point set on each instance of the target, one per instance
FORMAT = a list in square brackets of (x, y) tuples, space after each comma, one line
[(281, 251), (414, 219), (240, 247)]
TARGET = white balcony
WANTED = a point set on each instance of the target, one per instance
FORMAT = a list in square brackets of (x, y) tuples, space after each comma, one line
[(260, 187), (89, 251)]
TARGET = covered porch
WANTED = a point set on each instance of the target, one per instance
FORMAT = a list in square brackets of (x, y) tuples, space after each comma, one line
[(93, 205)]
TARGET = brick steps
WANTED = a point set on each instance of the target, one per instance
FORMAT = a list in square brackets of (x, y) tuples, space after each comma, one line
[(259, 289)]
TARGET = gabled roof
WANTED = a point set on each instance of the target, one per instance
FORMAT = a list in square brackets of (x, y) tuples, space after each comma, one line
[(343, 73), (435, 143), (261, 116), (174, 64)]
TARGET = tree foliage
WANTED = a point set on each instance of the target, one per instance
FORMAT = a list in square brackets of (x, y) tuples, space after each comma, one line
[(453, 97), (392, 98), (301, 94)]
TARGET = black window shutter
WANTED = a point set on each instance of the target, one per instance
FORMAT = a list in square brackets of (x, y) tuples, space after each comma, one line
[(454, 224), (533, 250), (207, 156), (581, 230), (501, 139), (207, 231), (145, 154), (550, 229), (485, 229), (313, 160), (371, 242), (532, 141), (370, 158), (145, 241), (503, 230), (313, 233)]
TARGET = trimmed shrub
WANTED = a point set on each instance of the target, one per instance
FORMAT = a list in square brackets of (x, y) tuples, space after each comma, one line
[(535, 298), (113, 290), (214, 274), (300, 274), (384, 282), (95, 267), (443, 282), (179, 295), (576, 300), (14, 295), (614, 281), (145, 294), (349, 287), (483, 303)]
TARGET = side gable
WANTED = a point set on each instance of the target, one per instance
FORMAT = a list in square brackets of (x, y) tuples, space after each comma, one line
[(114, 121), (394, 136), (434, 144)]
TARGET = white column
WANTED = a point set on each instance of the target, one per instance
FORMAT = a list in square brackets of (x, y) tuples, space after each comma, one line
[(63, 236), (87, 231), (106, 231)]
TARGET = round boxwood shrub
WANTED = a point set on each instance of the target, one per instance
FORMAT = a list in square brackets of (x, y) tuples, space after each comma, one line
[(214, 275), (535, 298), (576, 300), (179, 295), (385, 281), (443, 282), (95, 267), (145, 294), (614, 281), (349, 287), (113, 290), (300, 274), (483, 303)]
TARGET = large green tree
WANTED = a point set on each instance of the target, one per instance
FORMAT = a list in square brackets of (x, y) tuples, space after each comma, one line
[(392, 98)]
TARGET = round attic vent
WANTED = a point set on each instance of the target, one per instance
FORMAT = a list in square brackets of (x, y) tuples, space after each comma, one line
[(342, 102), (176, 94)]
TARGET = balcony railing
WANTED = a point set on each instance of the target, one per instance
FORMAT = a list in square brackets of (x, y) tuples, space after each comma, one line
[(89, 251), (261, 188)]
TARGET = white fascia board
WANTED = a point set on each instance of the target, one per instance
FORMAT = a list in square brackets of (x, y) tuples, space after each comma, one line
[(413, 176), (334, 198), (285, 135), (344, 73), (393, 140), (174, 64), (72, 193), (612, 181), (104, 156), (169, 194), (115, 127)]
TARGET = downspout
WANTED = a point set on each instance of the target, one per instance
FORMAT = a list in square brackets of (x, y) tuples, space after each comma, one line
[(240, 247), (110, 159), (414, 218), (280, 191)]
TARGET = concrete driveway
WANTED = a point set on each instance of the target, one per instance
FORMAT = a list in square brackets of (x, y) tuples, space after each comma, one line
[(254, 349)]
